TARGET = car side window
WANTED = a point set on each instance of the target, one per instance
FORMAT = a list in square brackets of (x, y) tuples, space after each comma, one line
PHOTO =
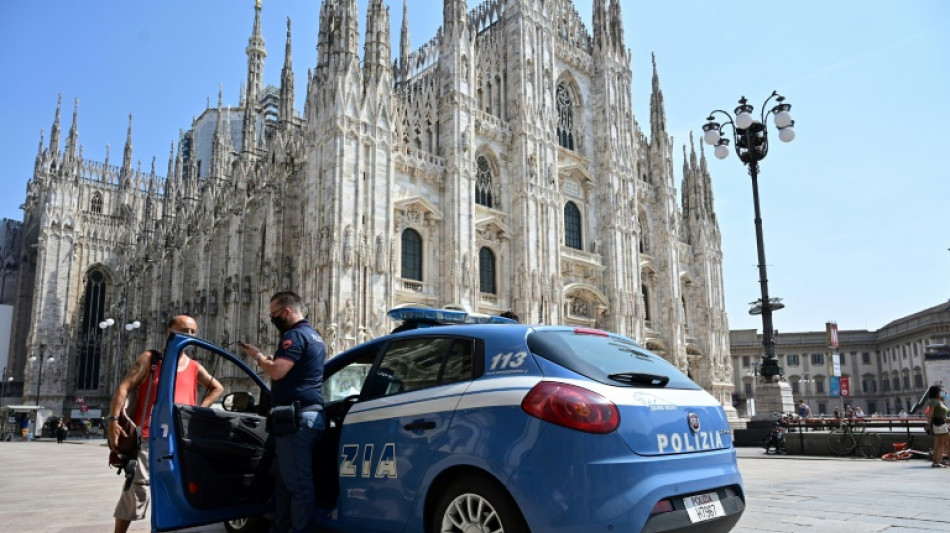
[(459, 361), (349, 380)]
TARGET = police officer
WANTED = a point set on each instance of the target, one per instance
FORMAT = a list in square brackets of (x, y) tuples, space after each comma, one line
[(296, 370)]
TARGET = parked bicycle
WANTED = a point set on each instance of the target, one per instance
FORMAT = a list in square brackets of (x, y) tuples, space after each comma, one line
[(851, 435)]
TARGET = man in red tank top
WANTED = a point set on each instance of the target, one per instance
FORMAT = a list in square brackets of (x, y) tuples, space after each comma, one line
[(134, 500)]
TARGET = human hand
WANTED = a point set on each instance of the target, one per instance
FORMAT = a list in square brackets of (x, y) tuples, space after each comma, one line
[(114, 430), (250, 350)]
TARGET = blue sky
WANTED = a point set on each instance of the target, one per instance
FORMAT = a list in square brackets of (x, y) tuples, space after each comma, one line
[(855, 210)]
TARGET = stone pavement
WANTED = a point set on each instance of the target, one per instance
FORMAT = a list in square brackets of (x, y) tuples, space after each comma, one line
[(67, 488)]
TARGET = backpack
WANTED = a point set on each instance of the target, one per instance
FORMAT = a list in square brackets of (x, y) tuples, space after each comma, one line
[(126, 450)]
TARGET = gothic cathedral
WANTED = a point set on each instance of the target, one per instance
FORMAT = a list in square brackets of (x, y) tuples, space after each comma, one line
[(496, 167)]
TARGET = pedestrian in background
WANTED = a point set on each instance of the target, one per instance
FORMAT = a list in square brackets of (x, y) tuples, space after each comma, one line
[(61, 431), (937, 418), (803, 410)]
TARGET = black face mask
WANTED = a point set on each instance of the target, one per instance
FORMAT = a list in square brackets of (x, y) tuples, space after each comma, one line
[(279, 323)]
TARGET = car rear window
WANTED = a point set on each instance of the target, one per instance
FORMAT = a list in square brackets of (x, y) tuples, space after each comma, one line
[(608, 359)]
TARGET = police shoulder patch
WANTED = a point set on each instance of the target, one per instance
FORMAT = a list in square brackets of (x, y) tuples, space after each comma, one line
[(286, 344)]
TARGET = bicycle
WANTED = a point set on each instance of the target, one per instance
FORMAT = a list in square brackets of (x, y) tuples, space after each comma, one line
[(905, 450), (842, 440)]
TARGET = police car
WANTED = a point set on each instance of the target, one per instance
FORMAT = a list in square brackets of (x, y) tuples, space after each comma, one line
[(462, 423)]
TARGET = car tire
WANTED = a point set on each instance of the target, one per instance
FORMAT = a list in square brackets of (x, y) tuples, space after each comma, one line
[(473, 503), (248, 524)]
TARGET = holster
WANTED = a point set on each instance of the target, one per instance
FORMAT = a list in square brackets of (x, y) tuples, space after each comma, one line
[(283, 420)]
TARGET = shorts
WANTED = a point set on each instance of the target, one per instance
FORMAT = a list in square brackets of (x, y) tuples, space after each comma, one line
[(133, 503)]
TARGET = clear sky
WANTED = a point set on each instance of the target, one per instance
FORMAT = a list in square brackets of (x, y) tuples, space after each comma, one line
[(855, 210)]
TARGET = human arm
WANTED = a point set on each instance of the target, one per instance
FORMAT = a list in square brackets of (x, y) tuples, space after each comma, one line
[(215, 388), (132, 379), (276, 368)]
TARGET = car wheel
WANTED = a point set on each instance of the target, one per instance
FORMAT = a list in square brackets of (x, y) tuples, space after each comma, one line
[(248, 524), (475, 504)]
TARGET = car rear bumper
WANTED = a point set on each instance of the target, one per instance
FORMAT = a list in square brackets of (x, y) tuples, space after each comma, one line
[(572, 482)]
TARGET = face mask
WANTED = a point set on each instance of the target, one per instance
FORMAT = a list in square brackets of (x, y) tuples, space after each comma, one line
[(278, 322)]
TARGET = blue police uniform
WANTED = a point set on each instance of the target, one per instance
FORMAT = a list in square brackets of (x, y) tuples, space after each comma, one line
[(303, 385)]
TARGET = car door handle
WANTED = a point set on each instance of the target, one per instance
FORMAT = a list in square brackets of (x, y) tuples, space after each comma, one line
[(251, 422), (421, 424)]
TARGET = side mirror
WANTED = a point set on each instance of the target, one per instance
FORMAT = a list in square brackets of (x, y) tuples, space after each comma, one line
[(239, 402)]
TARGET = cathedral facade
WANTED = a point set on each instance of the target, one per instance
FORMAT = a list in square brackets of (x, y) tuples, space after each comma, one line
[(496, 167)]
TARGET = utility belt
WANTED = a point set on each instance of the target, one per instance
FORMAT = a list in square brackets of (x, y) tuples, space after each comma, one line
[(283, 418)]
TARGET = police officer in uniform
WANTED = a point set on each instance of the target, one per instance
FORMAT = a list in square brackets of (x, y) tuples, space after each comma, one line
[(296, 371)]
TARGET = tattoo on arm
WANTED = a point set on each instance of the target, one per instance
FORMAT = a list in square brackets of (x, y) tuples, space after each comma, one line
[(136, 367)]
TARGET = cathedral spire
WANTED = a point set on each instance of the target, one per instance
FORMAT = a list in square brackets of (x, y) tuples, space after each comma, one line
[(255, 79), (286, 112), (455, 17), (377, 54), (404, 43), (127, 154), (616, 25), (73, 139), (657, 109), (600, 27), (55, 132), (338, 42)]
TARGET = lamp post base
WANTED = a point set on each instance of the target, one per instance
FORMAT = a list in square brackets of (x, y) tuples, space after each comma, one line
[(772, 397)]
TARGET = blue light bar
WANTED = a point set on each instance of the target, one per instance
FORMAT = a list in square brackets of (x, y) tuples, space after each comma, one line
[(444, 316)]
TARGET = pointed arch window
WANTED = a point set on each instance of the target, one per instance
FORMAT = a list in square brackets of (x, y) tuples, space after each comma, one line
[(565, 117), (483, 183), (90, 349), (486, 270), (411, 255), (95, 205), (646, 302), (572, 226)]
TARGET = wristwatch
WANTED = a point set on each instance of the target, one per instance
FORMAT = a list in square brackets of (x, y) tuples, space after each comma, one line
[(111, 418)]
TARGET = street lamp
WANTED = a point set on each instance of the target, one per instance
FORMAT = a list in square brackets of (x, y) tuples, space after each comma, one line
[(4, 379), (131, 326), (752, 145), (39, 375)]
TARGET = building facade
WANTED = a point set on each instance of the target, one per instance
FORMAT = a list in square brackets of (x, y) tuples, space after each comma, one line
[(887, 370), (497, 167)]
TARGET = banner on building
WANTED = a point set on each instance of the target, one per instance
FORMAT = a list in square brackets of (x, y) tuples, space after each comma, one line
[(835, 387), (845, 386), (835, 364), (831, 332)]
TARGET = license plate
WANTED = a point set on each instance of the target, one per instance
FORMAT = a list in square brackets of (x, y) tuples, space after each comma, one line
[(702, 507)]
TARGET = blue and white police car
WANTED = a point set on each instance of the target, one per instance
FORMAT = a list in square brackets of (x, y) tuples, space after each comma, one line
[(476, 425)]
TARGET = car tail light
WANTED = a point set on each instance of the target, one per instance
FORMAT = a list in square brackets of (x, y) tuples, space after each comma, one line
[(571, 407), (662, 506)]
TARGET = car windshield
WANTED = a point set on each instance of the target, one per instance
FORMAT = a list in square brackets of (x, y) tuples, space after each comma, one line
[(606, 358)]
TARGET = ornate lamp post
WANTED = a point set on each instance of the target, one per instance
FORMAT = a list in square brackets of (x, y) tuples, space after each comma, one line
[(4, 379), (130, 327), (752, 145), (39, 375)]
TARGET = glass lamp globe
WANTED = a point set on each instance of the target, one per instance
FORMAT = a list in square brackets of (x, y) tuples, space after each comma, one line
[(129, 327), (787, 134), (783, 119), (744, 120), (103, 325), (110, 321), (711, 137), (136, 324), (722, 151)]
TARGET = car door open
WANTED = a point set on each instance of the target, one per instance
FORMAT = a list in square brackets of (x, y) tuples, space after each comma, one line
[(209, 464)]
